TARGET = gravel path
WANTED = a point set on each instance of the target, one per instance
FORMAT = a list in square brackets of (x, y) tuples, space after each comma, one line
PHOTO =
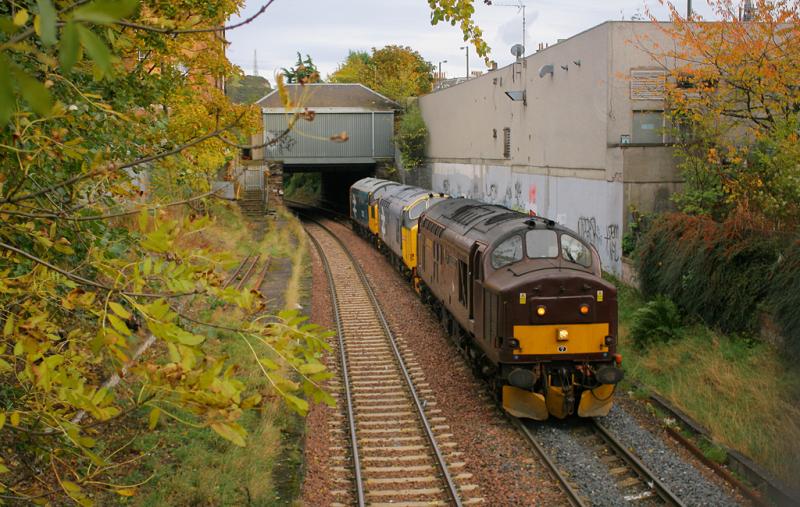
[(679, 476)]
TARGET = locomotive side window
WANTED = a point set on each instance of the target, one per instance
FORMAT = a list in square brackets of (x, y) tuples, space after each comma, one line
[(541, 243), (575, 251), (507, 252)]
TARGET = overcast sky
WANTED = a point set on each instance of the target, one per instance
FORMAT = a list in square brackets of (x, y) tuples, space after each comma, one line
[(327, 29)]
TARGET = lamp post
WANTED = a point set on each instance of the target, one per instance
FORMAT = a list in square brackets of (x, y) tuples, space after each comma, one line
[(466, 48), (440, 70)]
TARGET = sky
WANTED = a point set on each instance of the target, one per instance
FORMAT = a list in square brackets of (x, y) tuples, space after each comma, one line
[(327, 29)]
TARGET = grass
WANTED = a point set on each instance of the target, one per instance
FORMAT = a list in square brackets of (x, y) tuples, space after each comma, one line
[(189, 465), (740, 389)]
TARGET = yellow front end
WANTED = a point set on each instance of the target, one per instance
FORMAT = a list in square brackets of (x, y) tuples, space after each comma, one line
[(553, 340), (374, 225), (560, 339), (409, 247)]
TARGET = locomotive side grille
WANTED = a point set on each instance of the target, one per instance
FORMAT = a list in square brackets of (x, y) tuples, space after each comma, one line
[(466, 215)]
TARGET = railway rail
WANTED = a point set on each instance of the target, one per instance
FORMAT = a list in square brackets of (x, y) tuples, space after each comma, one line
[(636, 484), (398, 448), (630, 479)]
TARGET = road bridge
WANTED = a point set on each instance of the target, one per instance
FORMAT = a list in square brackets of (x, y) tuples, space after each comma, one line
[(345, 131)]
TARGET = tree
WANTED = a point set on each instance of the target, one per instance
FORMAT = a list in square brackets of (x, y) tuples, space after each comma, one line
[(303, 72), (394, 71), (247, 89), (95, 267), (98, 97), (734, 101)]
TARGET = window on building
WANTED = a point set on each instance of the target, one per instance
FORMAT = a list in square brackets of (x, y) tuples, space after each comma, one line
[(648, 127), (506, 142), (247, 154)]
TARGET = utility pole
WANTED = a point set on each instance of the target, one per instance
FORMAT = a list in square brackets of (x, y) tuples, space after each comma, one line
[(467, 49), (440, 70), (255, 62), (688, 9)]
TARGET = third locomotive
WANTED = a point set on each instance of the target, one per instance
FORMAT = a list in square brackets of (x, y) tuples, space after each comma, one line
[(522, 296)]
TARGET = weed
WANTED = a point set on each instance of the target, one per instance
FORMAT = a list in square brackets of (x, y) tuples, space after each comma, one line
[(658, 321)]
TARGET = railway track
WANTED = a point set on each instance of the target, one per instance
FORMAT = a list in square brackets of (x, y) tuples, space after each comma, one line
[(398, 450), (633, 481)]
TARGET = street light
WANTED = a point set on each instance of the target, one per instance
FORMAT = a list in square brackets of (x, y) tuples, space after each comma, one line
[(440, 70), (467, 50)]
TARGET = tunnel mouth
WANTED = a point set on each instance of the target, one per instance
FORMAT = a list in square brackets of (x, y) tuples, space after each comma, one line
[(327, 186)]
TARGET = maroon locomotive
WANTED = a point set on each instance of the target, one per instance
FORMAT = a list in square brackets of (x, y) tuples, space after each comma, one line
[(525, 300)]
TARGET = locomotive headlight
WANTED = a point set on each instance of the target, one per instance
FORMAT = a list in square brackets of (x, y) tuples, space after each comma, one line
[(541, 310), (584, 309), (563, 335)]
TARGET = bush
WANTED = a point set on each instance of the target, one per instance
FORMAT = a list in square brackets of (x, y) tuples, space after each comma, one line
[(658, 321), (411, 136), (719, 272), (784, 297)]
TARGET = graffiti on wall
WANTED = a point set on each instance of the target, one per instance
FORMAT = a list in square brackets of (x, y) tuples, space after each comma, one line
[(605, 240), (278, 142)]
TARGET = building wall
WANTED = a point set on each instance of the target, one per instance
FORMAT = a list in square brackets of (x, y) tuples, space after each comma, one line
[(565, 161)]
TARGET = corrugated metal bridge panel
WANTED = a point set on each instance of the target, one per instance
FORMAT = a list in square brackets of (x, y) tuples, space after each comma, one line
[(311, 140)]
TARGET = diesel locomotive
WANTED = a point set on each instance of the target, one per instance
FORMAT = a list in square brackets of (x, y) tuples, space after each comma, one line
[(522, 296)]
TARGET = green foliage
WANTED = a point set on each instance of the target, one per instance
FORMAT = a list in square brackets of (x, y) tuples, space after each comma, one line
[(397, 72), (247, 89), (658, 321), (305, 187), (460, 12), (716, 271), (784, 297), (411, 137), (303, 72)]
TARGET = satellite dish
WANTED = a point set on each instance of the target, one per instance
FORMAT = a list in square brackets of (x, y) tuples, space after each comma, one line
[(517, 50)]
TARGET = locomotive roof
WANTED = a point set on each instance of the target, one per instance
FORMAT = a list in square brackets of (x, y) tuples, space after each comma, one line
[(371, 184), (405, 194), (476, 218)]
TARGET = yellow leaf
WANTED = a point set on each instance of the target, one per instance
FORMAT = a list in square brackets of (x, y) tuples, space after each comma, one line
[(70, 486), (119, 310), (311, 368), (15, 419), (125, 491), (21, 17), (230, 432), (2, 420), (154, 417), (117, 324), (8, 328), (299, 404)]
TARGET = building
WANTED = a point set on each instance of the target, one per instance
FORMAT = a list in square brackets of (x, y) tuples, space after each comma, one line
[(575, 132)]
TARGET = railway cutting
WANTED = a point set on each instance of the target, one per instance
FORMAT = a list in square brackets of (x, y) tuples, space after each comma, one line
[(396, 448)]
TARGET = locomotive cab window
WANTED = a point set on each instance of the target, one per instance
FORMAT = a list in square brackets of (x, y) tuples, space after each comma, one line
[(540, 244), (416, 210), (507, 252), (573, 250)]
